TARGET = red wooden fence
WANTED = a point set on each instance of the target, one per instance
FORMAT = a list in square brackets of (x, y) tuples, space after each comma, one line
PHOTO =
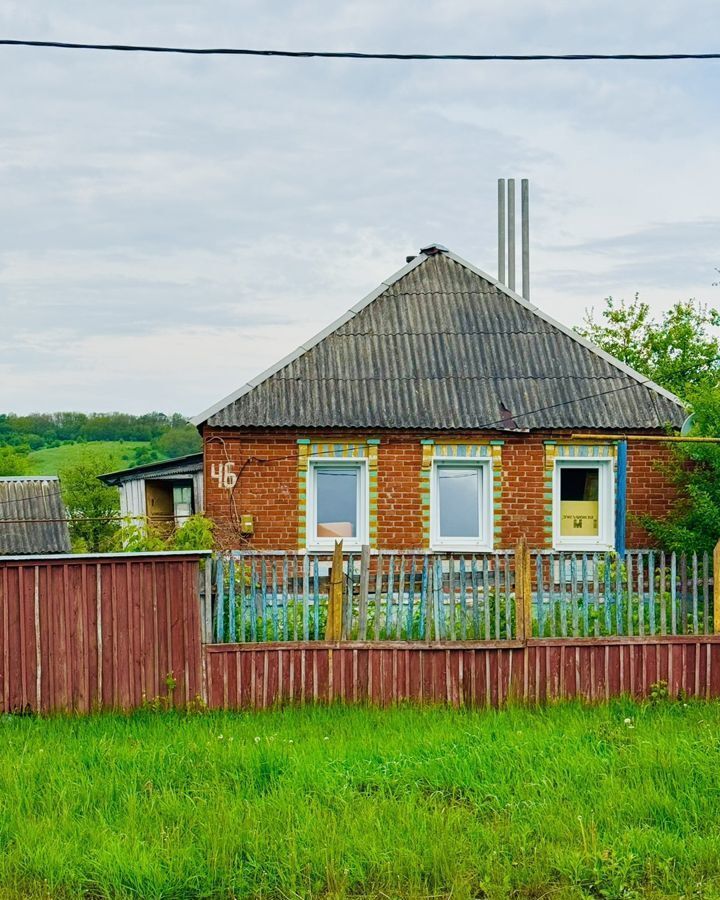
[(86, 632), (79, 633), (487, 674)]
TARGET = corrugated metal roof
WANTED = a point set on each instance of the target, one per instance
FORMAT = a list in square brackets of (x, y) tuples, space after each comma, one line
[(440, 346), (26, 505), (181, 465)]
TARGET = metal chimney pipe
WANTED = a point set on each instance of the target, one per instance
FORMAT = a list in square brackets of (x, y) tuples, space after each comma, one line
[(501, 230), (525, 231), (511, 232)]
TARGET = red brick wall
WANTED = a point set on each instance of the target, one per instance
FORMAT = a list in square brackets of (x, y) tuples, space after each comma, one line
[(266, 465), (648, 488)]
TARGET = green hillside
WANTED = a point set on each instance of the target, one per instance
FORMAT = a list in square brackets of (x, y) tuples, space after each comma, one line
[(50, 460)]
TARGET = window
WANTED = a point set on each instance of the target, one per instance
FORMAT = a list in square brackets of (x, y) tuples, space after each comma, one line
[(337, 503), (461, 511), (583, 504), (182, 502)]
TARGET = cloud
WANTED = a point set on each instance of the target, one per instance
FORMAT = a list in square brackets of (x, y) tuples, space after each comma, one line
[(170, 226)]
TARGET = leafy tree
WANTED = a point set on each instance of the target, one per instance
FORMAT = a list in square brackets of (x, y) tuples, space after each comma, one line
[(179, 441), (13, 461), (693, 524), (677, 350), (93, 505)]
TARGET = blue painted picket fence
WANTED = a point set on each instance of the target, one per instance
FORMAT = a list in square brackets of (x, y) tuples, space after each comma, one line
[(279, 596), (640, 593), (420, 596)]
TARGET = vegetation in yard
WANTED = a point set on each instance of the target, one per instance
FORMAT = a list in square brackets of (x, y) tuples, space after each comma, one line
[(693, 524), (614, 801), (94, 507), (195, 533), (680, 351)]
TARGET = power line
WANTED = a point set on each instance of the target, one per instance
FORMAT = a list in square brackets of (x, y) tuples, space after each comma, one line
[(348, 54)]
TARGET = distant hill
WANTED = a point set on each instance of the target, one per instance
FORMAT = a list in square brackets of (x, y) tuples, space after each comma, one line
[(52, 459), (44, 443)]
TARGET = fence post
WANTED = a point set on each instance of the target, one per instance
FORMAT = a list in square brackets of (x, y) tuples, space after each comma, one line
[(363, 594), (716, 589), (334, 628), (523, 591)]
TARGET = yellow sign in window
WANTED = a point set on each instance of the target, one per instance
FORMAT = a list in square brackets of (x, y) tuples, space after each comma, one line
[(579, 518)]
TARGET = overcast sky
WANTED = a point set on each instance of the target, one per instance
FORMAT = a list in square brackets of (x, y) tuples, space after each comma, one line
[(170, 226)]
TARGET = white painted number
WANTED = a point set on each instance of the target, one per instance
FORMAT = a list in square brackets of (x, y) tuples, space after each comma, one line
[(224, 474)]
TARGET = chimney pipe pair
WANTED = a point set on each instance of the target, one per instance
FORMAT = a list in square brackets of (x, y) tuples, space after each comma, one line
[(509, 206)]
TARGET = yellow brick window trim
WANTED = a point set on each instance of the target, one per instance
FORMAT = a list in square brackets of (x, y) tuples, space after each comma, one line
[(363, 448), (460, 449)]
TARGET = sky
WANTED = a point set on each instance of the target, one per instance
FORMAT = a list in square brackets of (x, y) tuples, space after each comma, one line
[(171, 226)]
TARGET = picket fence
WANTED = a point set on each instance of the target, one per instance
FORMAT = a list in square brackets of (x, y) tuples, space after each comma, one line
[(420, 596)]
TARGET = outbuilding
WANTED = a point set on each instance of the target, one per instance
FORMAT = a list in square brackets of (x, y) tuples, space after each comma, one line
[(162, 493)]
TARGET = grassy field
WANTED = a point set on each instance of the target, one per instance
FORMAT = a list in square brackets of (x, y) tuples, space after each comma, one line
[(618, 802), (52, 459)]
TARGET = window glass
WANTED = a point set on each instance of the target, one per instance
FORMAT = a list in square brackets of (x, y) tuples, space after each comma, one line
[(459, 501), (336, 501), (579, 506), (182, 501)]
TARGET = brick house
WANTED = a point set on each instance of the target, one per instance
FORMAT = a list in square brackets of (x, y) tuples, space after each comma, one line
[(442, 411)]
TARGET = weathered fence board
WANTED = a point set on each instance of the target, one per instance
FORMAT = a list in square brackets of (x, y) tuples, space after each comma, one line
[(79, 633), (488, 674)]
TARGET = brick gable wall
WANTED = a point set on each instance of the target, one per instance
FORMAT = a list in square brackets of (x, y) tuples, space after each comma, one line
[(265, 464)]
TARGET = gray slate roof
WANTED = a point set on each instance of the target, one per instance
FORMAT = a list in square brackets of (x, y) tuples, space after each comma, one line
[(181, 465), (442, 345), (23, 501)]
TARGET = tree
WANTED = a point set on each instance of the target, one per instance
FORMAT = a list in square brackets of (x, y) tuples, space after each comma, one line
[(92, 505), (693, 524), (179, 441), (13, 461), (677, 350)]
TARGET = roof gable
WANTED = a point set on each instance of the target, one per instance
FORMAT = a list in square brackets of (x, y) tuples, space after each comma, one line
[(442, 345)]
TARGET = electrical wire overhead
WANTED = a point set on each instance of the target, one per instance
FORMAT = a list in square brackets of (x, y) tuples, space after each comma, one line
[(349, 54)]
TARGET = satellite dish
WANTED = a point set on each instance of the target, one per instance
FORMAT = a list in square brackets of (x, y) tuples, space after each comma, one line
[(687, 425)]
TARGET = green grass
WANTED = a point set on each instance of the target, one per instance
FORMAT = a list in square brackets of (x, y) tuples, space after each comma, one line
[(560, 802), (52, 459)]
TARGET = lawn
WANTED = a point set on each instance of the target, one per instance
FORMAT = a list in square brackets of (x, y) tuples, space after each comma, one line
[(612, 801), (52, 459)]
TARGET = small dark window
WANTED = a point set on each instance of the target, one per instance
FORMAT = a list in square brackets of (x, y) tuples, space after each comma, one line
[(579, 484)]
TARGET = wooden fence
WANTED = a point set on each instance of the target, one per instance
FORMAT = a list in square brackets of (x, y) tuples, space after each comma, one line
[(80, 633), (422, 596), (250, 676), (107, 631)]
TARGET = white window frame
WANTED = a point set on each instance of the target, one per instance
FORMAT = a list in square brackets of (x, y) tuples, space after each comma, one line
[(362, 537), (485, 502), (606, 504)]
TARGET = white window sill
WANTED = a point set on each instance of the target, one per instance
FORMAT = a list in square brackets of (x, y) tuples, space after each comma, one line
[(461, 548), (354, 547), (584, 548)]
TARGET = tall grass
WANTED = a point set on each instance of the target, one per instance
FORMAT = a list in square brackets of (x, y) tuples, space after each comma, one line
[(615, 801)]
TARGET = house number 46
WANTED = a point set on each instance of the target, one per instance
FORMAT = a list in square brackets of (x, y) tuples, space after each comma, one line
[(224, 474)]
